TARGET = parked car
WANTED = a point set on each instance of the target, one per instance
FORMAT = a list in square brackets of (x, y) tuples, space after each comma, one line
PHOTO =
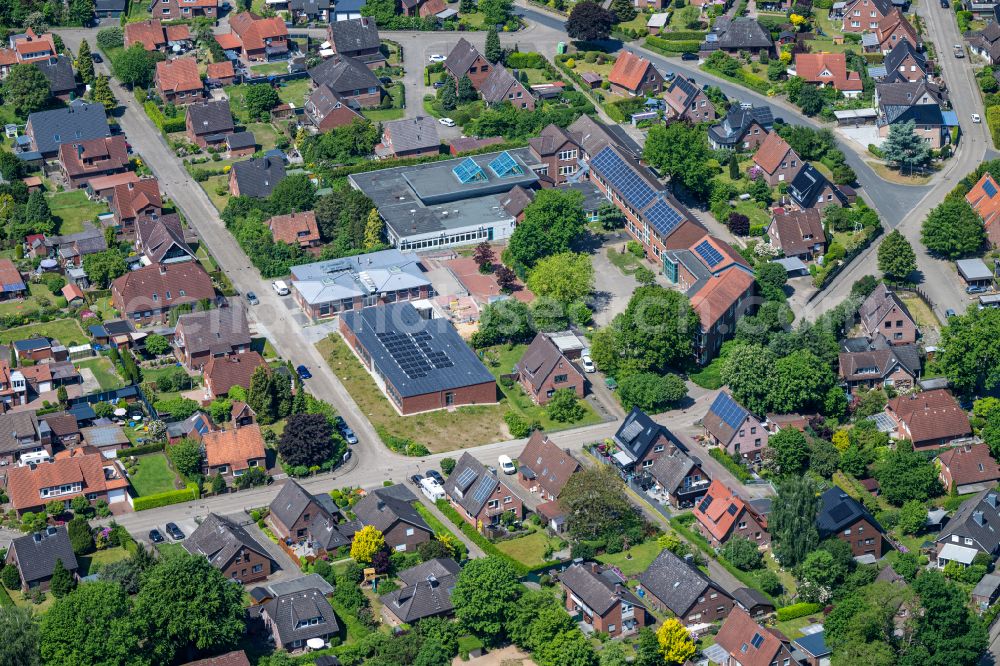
[(959, 51), (96, 57), (976, 118), (949, 313), (587, 363), (303, 372), (436, 475), (976, 289), (447, 122), (944, 4), (252, 298), (437, 57), (689, 56), (432, 489), (174, 531), (416, 479), (280, 288), (437, 84), (155, 536), (339, 421), (385, 80), (349, 436), (506, 465)]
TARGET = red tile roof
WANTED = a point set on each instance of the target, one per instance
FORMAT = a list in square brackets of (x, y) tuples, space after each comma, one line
[(33, 46), (722, 511), (930, 416), (177, 33), (224, 372), (551, 465), (71, 292), (229, 42), (827, 69), (718, 294), (294, 228), (629, 71), (234, 447), (130, 199), (970, 464), (149, 33), (180, 75), (161, 286), (96, 155), (237, 658), (253, 31), (984, 203), (9, 273), (737, 638), (24, 484), (771, 153), (220, 70)]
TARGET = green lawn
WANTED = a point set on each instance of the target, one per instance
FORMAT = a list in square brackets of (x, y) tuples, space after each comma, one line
[(37, 293), (635, 560), (395, 113), (528, 550), (294, 92), (210, 185), (73, 208), (92, 563), (626, 262), (66, 331), (153, 475), (104, 372), (265, 135), (268, 68), (709, 377), (170, 550)]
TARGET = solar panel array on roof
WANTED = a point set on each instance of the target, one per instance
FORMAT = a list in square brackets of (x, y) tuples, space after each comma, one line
[(989, 188), (468, 171), (757, 640), (663, 217), (485, 487), (707, 502), (636, 192), (631, 431), (732, 509), (465, 479), (503, 165), (413, 353), (840, 512), (728, 410), (711, 256)]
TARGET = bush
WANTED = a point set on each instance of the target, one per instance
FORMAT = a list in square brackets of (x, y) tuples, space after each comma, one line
[(191, 492), (447, 465), (518, 426), (993, 122), (798, 610), (166, 125), (672, 47), (403, 445)]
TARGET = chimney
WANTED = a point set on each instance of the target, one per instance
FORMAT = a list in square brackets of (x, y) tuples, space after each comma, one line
[(380, 505), (163, 269), (37, 536), (50, 530), (979, 518), (689, 558), (991, 499)]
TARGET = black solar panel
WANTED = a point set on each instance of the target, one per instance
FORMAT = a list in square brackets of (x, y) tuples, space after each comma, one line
[(413, 353), (663, 217), (709, 254), (623, 178), (757, 640), (484, 489), (707, 502), (728, 410)]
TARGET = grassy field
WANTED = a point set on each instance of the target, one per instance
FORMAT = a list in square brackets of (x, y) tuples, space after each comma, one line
[(92, 563), (634, 560), (220, 200), (153, 475), (30, 305), (169, 550), (66, 331), (529, 550), (709, 377), (926, 319), (265, 134), (269, 68), (626, 262), (395, 113), (104, 372), (294, 92), (73, 208)]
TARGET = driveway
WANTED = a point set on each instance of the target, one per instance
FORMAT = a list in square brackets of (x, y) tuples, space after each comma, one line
[(612, 288), (285, 568)]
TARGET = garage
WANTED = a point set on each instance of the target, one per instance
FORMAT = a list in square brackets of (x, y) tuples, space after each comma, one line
[(117, 495)]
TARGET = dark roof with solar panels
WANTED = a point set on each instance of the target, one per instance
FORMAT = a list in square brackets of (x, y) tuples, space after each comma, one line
[(838, 511), (724, 417)]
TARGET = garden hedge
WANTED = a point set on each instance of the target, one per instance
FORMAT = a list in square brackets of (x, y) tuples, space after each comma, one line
[(993, 122), (141, 450), (191, 492), (166, 125), (661, 45), (798, 610)]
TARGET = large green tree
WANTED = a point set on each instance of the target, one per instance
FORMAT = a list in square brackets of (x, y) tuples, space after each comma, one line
[(485, 597), (567, 277), (293, 194), (793, 520), (259, 99), (186, 456), (92, 625), (596, 505), (103, 267), (969, 352), (496, 12), (651, 392), (19, 628), (135, 65), (588, 21), (85, 63), (25, 89), (904, 148), (946, 633), (953, 229), (771, 279), (552, 223), (896, 257), (905, 475), (790, 450), (493, 51), (681, 151)]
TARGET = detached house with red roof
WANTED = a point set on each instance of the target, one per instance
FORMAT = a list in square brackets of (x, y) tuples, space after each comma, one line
[(130, 201), (147, 295), (828, 69), (865, 15), (930, 419), (967, 469), (295, 229), (892, 30), (154, 36), (230, 453), (723, 514), (31, 47), (747, 643), (224, 372), (776, 159), (984, 197), (178, 81), (544, 468), (259, 38), (633, 76), (184, 9), (84, 160), (68, 475)]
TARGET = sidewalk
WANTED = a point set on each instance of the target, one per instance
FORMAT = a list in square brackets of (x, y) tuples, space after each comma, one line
[(474, 550)]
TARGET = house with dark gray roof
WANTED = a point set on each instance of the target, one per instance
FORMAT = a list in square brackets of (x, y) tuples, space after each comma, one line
[(639, 441), (294, 618), (478, 495), (753, 602), (544, 468), (734, 35), (426, 592), (350, 79), (256, 177), (928, 120), (742, 128), (845, 518), (311, 10), (77, 122), (20, 435), (240, 144), (59, 71), (357, 38), (905, 63), (974, 529), (884, 313), (681, 478), (200, 336), (326, 110), (674, 584), (35, 556), (810, 189), (543, 369), (411, 137), (300, 517), (402, 526), (603, 600), (161, 239), (500, 86), (865, 364), (465, 60), (209, 123), (230, 548)]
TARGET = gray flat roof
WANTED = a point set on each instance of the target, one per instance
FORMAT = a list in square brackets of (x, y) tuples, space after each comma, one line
[(974, 269), (362, 275), (428, 198), (414, 354)]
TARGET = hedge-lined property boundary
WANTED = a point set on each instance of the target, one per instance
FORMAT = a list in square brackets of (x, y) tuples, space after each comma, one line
[(798, 610), (477, 538), (166, 125), (191, 492)]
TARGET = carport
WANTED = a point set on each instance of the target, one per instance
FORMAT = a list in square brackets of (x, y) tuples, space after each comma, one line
[(793, 266), (975, 272)]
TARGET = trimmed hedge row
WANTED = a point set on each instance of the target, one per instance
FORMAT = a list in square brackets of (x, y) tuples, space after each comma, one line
[(140, 450), (191, 492), (798, 610), (166, 125), (671, 47), (682, 35), (477, 538), (993, 122)]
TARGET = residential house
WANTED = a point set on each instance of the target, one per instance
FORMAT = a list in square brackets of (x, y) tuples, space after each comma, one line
[(154, 36), (148, 294), (974, 529), (633, 75), (465, 60), (193, 427), (326, 110), (985, 43), (220, 74), (603, 600), (515, 201), (680, 478), (543, 370), (103, 187), (12, 285), (64, 477), (894, 29), (737, 35), (358, 39), (865, 364), (230, 453), (34, 349), (256, 177), (828, 69), (59, 72), (865, 15), (929, 419), (500, 86), (20, 436), (984, 199), (729, 425), (478, 495), (883, 312), (184, 9), (106, 439), (910, 93), (299, 517), (776, 159), (423, 8), (200, 336), (235, 658), (311, 11), (929, 122), (35, 556), (798, 233), (811, 189), (84, 160), (723, 514), (753, 602), (297, 617), (559, 151), (30, 47), (747, 643), (639, 442), (13, 389), (426, 592), (209, 123), (229, 548), (845, 518), (131, 201), (905, 63), (544, 468), (410, 137), (673, 584), (161, 239), (742, 128), (968, 468), (178, 81), (350, 79), (49, 376), (79, 121), (241, 144), (224, 372), (295, 229), (260, 39), (686, 101), (402, 526)]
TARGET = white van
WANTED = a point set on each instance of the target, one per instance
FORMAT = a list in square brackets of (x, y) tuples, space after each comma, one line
[(280, 288)]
